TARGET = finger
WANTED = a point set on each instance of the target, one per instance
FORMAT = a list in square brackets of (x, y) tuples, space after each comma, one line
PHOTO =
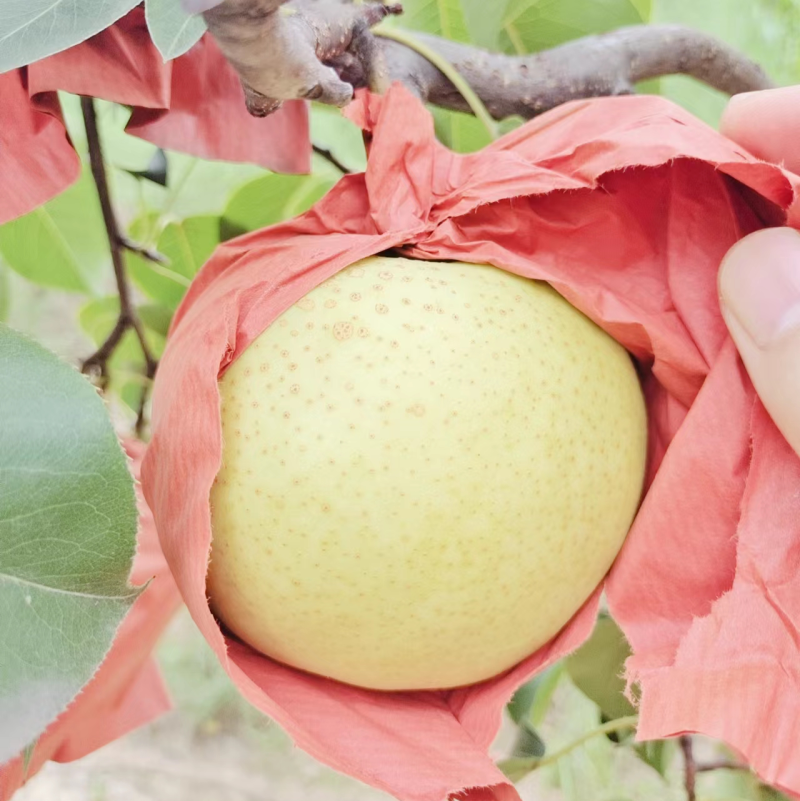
[(766, 123), (759, 286)]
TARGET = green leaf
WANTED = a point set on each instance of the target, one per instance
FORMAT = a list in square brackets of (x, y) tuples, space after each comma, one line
[(156, 171), (528, 744), (121, 150), (67, 537), (520, 704), (532, 25), (510, 124), (531, 700), (771, 794), (733, 785), (442, 17), (126, 366), (460, 132), (197, 186), (98, 317), (156, 317), (33, 29), (172, 30), (485, 21), (187, 244), (127, 157), (62, 244), (768, 31), (331, 130), (270, 200), (658, 754), (596, 669)]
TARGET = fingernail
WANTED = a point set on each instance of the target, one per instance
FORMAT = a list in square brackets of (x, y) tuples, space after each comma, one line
[(760, 284)]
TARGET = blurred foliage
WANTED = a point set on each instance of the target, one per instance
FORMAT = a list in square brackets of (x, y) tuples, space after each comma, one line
[(531, 701), (597, 669), (514, 27), (766, 30), (184, 207), (63, 243), (199, 685), (187, 243), (172, 29)]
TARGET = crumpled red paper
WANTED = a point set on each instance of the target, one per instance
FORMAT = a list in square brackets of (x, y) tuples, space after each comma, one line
[(193, 104), (626, 206), (127, 690), (37, 160)]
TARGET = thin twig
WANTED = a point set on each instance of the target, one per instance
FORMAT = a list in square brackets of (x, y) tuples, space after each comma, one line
[(151, 254), (128, 319), (330, 158), (722, 764), (518, 767), (690, 768)]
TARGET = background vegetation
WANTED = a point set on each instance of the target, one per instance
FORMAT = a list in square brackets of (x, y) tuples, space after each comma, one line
[(56, 284)]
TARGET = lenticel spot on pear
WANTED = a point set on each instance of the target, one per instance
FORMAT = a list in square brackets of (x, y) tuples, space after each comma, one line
[(427, 468)]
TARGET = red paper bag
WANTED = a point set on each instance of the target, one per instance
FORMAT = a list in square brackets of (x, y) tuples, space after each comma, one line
[(37, 160), (626, 206)]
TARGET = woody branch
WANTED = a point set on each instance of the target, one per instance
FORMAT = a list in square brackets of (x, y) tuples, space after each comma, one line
[(324, 49)]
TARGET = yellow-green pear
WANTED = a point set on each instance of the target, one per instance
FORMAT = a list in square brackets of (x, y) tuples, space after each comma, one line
[(427, 468)]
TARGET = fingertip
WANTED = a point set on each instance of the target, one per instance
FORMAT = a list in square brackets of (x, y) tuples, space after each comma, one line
[(767, 123), (759, 286), (759, 282)]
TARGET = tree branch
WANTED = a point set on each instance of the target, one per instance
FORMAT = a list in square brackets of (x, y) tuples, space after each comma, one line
[(142, 250), (690, 767), (594, 66), (323, 49), (723, 764), (282, 50), (128, 318), (331, 159)]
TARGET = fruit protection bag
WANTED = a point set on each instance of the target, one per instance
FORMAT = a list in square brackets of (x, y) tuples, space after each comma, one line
[(127, 691), (193, 104), (626, 206)]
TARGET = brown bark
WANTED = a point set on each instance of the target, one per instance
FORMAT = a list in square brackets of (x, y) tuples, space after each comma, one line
[(322, 49), (594, 66), (128, 318)]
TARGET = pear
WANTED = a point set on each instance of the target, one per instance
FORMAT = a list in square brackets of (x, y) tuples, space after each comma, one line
[(427, 469)]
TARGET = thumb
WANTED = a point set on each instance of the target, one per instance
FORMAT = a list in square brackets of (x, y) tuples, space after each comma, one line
[(759, 287)]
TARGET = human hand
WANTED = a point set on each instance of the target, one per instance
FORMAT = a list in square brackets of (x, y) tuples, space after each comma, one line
[(759, 279)]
